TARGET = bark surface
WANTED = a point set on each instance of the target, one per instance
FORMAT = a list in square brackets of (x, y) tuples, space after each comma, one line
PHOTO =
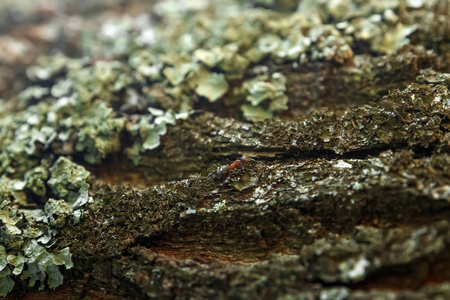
[(347, 196)]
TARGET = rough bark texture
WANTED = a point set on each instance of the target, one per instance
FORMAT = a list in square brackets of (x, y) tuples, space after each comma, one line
[(357, 213), (347, 196)]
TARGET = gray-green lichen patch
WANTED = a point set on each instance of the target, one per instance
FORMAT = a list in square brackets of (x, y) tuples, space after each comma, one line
[(27, 236), (148, 131), (26, 248), (92, 97), (36, 179), (65, 174), (210, 85), (68, 181), (57, 210), (199, 51), (265, 97)]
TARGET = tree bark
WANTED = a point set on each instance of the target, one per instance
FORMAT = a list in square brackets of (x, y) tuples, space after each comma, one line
[(352, 204), (347, 196)]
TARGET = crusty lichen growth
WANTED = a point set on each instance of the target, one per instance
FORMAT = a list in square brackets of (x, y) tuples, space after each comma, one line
[(313, 211), (410, 118)]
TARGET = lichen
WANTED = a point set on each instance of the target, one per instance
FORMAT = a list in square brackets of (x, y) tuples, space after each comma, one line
[(265, 97), (26, 239), (65, 174), (27, 236), (228, 41), (140, 76)]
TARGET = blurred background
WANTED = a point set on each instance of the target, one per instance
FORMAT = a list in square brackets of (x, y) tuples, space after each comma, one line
[(31, 28), (115, 29)]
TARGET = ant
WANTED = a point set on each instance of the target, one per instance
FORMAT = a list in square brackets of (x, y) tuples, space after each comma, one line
[(224, 172)]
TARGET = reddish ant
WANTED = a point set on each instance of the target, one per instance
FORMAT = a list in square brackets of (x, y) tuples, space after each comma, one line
[(224, 172)]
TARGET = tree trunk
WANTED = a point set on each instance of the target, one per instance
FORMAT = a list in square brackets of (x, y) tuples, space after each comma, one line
[(346, 196)]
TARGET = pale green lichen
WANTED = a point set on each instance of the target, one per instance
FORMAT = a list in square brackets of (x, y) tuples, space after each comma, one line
[(82, 111), (265, 97), (206, 46), (27, 241), (48, 67), (27, 236), (177, 73), (209, 84), (57, 210), (69, 181), (36, 177), (148, 132), (65, 174)]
